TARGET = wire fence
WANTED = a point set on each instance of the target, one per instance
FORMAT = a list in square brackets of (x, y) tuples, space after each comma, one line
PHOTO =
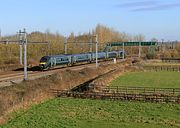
[(171, 60), (144, 94), (163, 68)]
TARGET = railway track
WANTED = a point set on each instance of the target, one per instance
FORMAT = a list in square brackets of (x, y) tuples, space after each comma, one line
[(15, 77)]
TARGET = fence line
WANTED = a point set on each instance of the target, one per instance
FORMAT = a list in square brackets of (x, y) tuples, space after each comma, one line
[(171, 60), (126, 93), (142, 90), (163, 68)]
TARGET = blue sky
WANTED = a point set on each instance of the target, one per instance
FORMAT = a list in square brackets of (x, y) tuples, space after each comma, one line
[(152, 18)]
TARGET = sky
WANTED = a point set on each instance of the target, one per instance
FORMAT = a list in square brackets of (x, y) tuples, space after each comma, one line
[(152, 18)]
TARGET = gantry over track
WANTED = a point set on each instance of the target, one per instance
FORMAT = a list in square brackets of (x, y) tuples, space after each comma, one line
[(152, 45), (131, 44)]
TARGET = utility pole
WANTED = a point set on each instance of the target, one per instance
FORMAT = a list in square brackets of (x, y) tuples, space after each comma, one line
[(20, 46), (65, 45), (123, 50), (23, 41), (91, 45), (96, 51), (25, 54), (139, 49), (163, 46)]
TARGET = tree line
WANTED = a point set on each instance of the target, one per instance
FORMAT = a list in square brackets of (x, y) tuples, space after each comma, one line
[(9, 54)]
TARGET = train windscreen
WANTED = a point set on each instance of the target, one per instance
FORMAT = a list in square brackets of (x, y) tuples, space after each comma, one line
[(44, 59)]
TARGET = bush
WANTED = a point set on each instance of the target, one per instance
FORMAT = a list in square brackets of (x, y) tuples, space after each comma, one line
[(150, 55)]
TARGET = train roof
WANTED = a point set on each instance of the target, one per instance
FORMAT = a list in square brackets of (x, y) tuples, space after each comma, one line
[(66, 55), (62, 55), (81, 54), (55, 56)]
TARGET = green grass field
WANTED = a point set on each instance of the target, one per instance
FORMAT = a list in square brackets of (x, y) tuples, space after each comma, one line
[(162, 79), (84, 113), (81, 113)]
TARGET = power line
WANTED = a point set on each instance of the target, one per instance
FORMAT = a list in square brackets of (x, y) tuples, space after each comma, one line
[(22, 41)]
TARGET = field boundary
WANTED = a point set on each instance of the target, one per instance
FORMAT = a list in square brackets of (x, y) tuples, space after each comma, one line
[(171, 60), (163, 95), (162, 68)]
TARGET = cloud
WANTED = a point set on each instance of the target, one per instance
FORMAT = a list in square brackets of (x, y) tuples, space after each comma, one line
[(149, 5), (137, 4), (158, 7)]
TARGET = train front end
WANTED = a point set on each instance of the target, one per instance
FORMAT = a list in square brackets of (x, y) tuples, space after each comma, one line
[(44, 63)]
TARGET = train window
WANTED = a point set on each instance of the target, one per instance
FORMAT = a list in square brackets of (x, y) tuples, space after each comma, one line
[(64, 59), (43, 59), (80, 57), (58, 59)]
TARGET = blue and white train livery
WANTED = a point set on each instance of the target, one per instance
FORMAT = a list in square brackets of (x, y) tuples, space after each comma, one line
[(47, 62)]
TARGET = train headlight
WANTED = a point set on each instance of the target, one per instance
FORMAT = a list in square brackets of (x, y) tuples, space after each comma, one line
[(42, 63)]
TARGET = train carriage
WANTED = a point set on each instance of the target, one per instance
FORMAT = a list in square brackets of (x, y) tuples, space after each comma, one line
[(81, 58), (113, 54), (101, 55), (60, 60), (47, 62), (120, 54), (56, 60)]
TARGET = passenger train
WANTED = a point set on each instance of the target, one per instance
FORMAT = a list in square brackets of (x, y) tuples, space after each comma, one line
[(52, 61)]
